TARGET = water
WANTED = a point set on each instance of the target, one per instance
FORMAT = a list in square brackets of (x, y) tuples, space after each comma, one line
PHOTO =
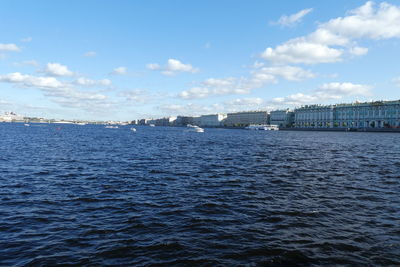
[(87, 195)]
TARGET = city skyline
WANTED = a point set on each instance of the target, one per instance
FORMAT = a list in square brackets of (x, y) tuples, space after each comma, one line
[(126, 61)]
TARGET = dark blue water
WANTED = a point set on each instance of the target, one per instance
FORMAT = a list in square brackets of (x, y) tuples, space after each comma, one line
[(86, 195)]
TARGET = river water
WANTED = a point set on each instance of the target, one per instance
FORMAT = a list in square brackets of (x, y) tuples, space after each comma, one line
[(91, 196)]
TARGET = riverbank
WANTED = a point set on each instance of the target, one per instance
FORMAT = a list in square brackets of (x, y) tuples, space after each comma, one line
[(380, 130)]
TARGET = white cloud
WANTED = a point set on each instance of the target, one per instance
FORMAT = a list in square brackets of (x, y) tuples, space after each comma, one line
[(172, 67), (90, 54), (396, 81), (337, 37), (288, 72), (9, 48), (153, 66), (358, 51), (89, 82), (257, 65), (326, 92), (60, 92), (368, 22), (294, 18), (56, 69), (244, 85), (32, 81), (256, 101), (141, 96), (212, 82), (120, 71), (136, 95), (33, 63), (345, 88), (300, 51), (195, 93), (218, 87), (190, 109), (176, 65), (26, 40)]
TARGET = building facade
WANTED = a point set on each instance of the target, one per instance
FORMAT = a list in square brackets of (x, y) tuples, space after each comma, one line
[(183, 121), (11, 117), (213, 120), (282, 118), (379, 114), (243, 119), (314, 116)]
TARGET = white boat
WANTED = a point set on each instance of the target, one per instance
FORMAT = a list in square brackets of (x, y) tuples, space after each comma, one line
[(199, 130), (133, 129), (271, 128), (111, 127), (27, 124), (195, 128), (80, 123), (64, 122), (152, 125), (262, 127)]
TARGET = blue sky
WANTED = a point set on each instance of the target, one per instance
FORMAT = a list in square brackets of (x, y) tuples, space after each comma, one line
[(124, 60)]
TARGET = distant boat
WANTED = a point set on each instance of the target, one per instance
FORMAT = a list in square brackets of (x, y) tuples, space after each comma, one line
[(262, 127), (133, 129), (111, 127), (80, 123), (199, 130), (27, 124), (195, 128), (152, 125)]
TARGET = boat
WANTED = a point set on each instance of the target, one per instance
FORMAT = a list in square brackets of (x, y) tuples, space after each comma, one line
[(262, 127), (195, 128), (152, 125), (111, 127), (133, 129), (199, 130), (27, 124), (271, 128)]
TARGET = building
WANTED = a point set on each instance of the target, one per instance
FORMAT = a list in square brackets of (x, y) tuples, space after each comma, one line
[(282, 118), (196, 121), (379, 114), (143, 121), (183, 120), (168, 121), (11, 117), (242, 119), (314, 116), (213, 120)]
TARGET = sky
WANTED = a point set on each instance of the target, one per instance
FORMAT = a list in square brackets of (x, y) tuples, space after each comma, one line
[(126, 60)]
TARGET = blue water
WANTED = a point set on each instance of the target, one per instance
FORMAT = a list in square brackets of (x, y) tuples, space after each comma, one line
[(91, 196)]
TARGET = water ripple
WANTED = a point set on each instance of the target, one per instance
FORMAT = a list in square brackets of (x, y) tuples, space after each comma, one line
[(89, 196)]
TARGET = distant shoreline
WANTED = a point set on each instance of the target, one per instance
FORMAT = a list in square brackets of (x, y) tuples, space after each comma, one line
[(361, 130)]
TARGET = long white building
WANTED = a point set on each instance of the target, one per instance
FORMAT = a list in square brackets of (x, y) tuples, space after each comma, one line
[(379, 114), (241, 119), (212, 120), (10, 117)]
